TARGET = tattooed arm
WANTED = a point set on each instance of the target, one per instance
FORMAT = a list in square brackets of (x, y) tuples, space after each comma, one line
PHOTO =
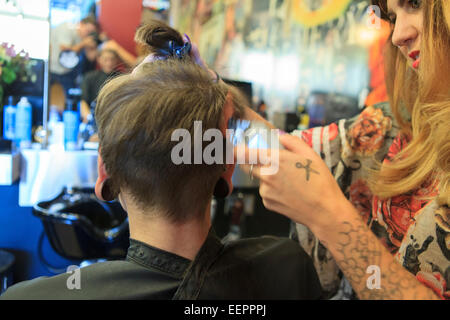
[(304, 190), (362, 258)]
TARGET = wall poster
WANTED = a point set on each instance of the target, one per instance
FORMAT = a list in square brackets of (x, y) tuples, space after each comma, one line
[(288, 49)]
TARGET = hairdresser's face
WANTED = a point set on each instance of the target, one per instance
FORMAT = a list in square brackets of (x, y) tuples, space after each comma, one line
[(407, 20)]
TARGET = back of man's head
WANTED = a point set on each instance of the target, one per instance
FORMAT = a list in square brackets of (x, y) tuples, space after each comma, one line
[(137, 115)]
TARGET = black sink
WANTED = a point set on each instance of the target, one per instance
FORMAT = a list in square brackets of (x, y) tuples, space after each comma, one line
[(81, 227)]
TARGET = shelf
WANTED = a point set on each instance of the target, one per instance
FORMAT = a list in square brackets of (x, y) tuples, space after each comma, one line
[(10, 168)]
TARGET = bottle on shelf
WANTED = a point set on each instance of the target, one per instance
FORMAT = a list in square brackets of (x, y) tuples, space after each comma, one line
[(71, 118), (24, 123), (9, 120), (56, 129)]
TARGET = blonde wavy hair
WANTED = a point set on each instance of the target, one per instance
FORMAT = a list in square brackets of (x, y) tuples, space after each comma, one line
[(420, 102)]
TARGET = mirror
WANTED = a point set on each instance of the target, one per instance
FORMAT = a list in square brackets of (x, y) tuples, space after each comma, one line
[(25, 24), (70, 57), (90, 42)]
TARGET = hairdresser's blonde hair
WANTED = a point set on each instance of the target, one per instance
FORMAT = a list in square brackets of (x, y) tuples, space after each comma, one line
[(420, 103)]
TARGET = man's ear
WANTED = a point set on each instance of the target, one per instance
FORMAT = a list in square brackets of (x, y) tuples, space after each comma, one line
[(228, 111), (101, 188)]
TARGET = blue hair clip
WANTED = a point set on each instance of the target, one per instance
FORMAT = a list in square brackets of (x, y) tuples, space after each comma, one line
[(180, 52)]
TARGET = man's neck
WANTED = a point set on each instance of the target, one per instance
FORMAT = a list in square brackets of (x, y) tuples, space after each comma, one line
[(183, 239)]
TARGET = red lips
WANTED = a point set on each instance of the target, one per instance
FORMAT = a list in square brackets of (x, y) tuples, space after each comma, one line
[(415, 55)]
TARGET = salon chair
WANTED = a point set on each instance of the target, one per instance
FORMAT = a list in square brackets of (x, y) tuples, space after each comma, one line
[(81, 227)]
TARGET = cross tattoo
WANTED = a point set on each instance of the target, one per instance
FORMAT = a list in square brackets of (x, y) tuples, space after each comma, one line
[(307, 167)]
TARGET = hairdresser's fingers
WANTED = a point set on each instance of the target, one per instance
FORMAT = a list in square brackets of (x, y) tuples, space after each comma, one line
[(148, 59), (261, 164), (297, 147), (195, 54), (245, 155), (293, 143), (254, 171), (110, 44)]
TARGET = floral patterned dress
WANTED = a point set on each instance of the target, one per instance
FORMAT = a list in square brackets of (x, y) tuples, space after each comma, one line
[(415, 231)]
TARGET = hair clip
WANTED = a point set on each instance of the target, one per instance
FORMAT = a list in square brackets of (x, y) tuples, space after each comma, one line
[(180, 52)]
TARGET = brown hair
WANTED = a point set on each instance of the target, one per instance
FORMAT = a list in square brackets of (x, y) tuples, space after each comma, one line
[(91, 20), (157, 36), (136, 115), (421, 106)]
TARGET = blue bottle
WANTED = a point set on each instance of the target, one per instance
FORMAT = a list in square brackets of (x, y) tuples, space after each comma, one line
[(9, 120), (71, 125), (23, 123), (71, 118)]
